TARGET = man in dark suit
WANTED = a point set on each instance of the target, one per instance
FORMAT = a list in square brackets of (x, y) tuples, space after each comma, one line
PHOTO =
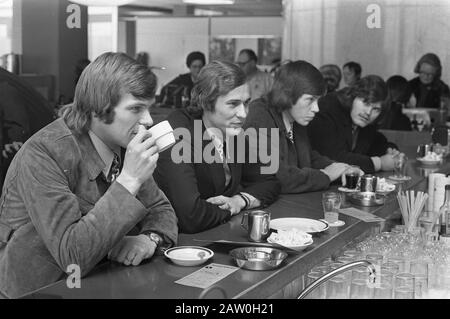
[(344, 129), (203, 176), (289, 107)]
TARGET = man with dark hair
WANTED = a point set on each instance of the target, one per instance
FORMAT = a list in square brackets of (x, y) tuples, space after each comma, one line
[(81, 189), (259, 82), (345, 128), (178, 91), (23, 111), (352, 72), (332, 75)]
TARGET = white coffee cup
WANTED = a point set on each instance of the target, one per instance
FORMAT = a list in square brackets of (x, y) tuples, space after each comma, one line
[(163, 134)]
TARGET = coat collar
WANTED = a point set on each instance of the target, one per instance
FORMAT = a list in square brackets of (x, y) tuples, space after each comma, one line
[(91, 158)]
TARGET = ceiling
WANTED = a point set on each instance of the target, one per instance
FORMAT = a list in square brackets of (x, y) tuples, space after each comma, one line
[(169, 7)]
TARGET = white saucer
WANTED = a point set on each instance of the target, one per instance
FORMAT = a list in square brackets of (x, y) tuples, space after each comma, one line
[(336, 224), (347, 190), (399, 179)]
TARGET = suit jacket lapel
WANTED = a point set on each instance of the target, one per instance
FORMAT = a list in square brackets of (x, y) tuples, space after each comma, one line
[(216, 170)]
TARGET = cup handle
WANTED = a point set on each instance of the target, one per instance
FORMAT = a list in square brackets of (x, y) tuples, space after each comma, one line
[(244, 221)]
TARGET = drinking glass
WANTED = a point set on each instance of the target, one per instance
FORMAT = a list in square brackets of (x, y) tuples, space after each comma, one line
[(390, 267), (319, 292), (400, 161), (403, 293), (336, 288), (359, 289), (383, 291), (323, 269), (401, 262), (375, 259), (404, 286), (331, 202), (351, 177), (360, 273), (418, 267), (420, 286)]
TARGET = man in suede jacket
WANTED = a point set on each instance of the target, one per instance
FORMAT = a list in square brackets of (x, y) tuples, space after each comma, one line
[(81, 189)]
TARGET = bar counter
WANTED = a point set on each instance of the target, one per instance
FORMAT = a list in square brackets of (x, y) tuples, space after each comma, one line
[(156, 278)]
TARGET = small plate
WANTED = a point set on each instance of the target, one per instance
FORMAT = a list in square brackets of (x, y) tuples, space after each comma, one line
[(428, 162), (338, 223), (283, 238), (307, 225), (189, 255), (399, 179), (347, 190)]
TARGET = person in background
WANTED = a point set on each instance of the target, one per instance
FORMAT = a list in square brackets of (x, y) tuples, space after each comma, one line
[(178, 91), (143, 58), (289, 107), (275, 66), (81, 189), (259, 82), (398, 96), (332, 75), (352, 72), (79, 68), (23, 111), (428, 88), (345, 128), (207, 192)]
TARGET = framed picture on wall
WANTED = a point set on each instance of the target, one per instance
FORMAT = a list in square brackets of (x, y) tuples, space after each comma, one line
[(222, 49)]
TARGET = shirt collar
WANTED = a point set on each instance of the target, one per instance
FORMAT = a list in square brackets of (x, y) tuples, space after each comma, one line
[(288, 121), (106, 154), (217, 138)]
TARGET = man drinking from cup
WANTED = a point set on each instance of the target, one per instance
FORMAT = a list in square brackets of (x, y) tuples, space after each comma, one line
[(81, 189)]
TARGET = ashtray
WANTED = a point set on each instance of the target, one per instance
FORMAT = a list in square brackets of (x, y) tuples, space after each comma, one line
[(367, 199), (258, 258)]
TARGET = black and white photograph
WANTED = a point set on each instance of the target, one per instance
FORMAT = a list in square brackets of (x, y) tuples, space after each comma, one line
[(240, 151)]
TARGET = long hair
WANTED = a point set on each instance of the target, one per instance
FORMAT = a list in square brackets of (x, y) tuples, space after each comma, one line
[(291, 81), (215, 79), (101, 86), (371, 89)]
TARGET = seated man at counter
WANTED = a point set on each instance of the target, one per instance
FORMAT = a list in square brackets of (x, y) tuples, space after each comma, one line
[(289, 107), (207, 191), (345, 128), (178, 91), (73, 195)]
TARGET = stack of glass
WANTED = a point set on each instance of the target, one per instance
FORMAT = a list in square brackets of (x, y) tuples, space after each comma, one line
[(410, 265)]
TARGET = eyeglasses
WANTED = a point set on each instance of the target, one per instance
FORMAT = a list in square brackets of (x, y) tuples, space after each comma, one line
[(241, 64)]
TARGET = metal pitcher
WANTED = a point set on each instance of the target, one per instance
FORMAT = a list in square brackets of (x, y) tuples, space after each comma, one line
[(257, 224)]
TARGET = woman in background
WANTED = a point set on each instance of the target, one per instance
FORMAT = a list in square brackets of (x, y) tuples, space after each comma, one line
[(428, 88)]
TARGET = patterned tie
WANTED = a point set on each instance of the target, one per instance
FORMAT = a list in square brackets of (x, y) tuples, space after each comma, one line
[(115, 169), (290, 134)]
